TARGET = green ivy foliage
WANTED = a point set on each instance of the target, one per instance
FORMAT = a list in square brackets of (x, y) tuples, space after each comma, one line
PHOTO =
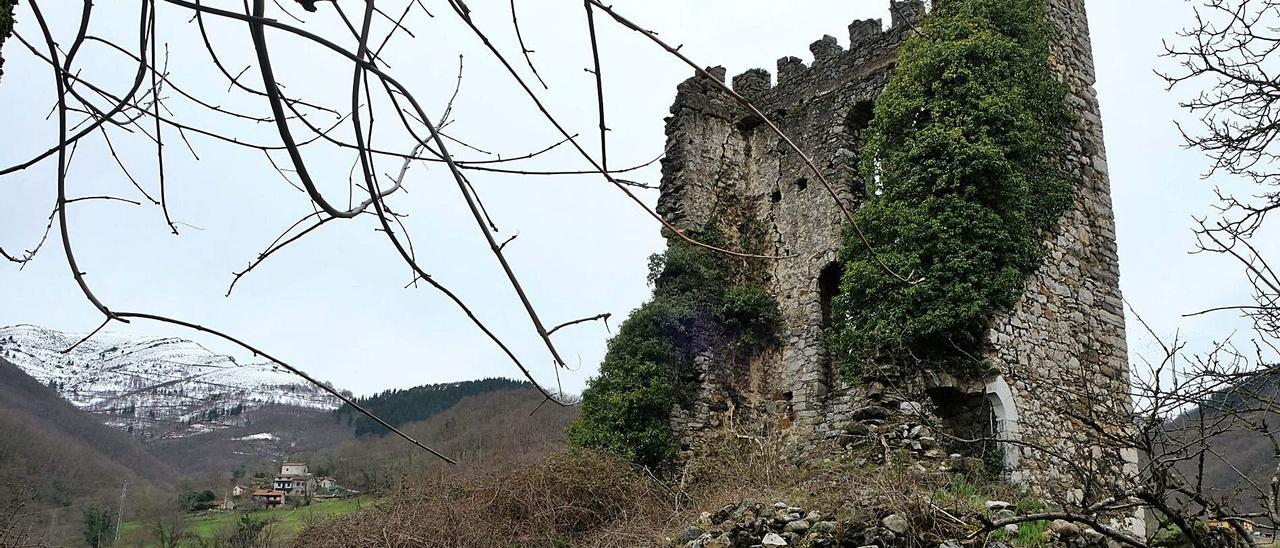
[(695, 307), (6, 25), (750, 315), (964, 183), (6, 18)]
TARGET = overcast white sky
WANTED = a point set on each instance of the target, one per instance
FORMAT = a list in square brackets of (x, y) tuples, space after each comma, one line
[(335, 305)]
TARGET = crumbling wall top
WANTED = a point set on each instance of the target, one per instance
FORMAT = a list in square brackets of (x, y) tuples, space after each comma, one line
[(906, 12), (871, 47)]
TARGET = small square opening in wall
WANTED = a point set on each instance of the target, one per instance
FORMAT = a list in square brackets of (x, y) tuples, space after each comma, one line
[(802, 183), (859, 117)]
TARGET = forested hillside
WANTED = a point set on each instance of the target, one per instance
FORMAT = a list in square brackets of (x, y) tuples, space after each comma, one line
[(1238, 424), (492, 430), (58, 459), (402, 406)]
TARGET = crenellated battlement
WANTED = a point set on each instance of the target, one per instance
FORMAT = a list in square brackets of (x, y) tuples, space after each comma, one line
[(825, 87), (869, 40)]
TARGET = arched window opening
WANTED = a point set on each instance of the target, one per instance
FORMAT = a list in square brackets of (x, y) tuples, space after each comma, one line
[(828, 288)]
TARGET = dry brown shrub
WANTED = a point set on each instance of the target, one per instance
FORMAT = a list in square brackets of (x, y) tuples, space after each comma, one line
[(577, 498), (732, 467)]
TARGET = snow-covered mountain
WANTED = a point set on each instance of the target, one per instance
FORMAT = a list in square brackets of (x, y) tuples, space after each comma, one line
[(155, 387)]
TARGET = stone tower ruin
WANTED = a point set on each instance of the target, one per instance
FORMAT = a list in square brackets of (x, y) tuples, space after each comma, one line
[(1062, 377)]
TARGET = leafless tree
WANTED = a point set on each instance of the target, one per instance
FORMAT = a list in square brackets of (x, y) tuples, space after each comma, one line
[(15, 526), (88, 110), (1198, 479), (1228, 58)]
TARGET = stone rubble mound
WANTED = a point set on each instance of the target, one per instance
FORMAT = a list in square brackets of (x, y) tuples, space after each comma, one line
[(886, 424), (751, 524)]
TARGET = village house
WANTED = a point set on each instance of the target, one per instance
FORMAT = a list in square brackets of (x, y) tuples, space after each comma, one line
[(238, 490), (295, 480), (269, 498)]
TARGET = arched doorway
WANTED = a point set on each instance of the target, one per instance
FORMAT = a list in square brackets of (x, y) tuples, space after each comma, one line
[(980, 423)]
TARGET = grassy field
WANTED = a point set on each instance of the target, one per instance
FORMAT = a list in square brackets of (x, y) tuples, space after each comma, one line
[(285, 522)]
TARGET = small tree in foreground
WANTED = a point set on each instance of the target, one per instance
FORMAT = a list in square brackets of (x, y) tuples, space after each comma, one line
[(98, 527)]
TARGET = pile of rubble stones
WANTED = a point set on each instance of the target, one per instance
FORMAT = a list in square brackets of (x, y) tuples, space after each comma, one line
[(755, 525), (751, 524)]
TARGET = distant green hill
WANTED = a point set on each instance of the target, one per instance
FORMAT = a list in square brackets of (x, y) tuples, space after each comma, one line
[(400, 407)]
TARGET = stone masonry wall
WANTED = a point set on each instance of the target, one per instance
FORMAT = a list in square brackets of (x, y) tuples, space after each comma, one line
[(718, 157), (1061, 349), (1063, 345)]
